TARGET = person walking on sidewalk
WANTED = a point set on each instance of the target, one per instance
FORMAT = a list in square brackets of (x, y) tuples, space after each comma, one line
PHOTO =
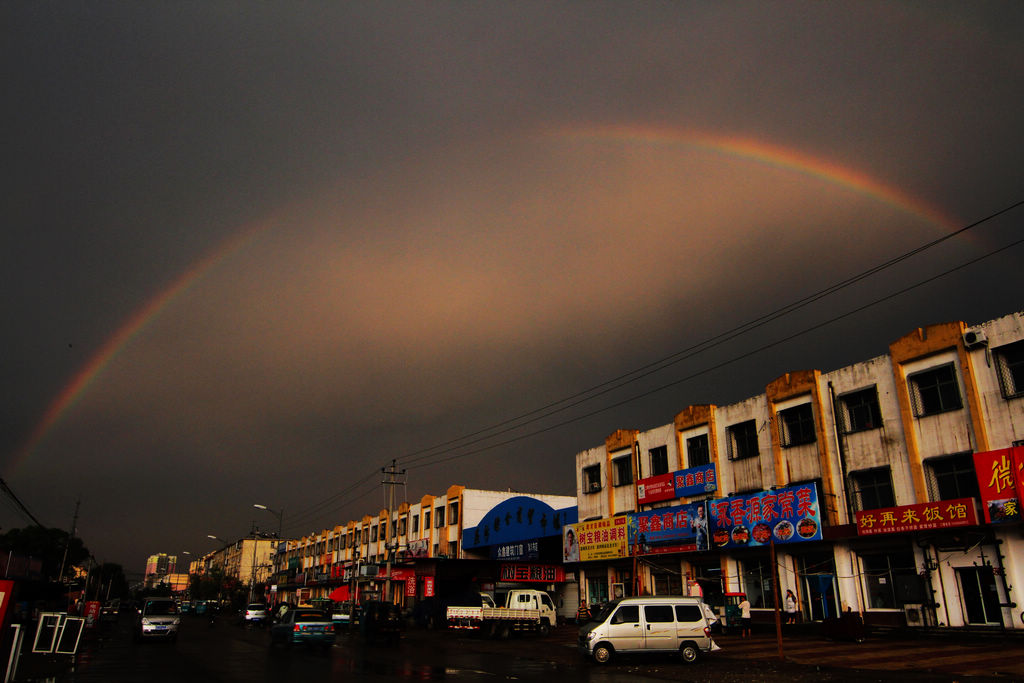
[(744, 617), (790, 607)]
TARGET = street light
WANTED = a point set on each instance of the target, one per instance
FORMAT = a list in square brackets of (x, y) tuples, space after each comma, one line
[(278, 514)]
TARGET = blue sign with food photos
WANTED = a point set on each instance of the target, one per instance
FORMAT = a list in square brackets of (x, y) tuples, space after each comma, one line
[(785, 515)]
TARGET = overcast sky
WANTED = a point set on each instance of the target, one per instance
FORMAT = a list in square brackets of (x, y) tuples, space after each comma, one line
[(253, 251)]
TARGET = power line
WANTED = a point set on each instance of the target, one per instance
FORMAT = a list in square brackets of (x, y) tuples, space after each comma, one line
[(431, 456)]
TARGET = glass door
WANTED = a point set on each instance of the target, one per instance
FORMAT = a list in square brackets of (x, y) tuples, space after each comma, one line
[(979, 595)]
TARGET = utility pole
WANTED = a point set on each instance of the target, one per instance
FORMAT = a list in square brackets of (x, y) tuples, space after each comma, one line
[(67, 546), (391, 481)]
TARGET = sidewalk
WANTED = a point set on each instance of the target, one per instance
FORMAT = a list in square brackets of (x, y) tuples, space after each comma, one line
[(976, 655)]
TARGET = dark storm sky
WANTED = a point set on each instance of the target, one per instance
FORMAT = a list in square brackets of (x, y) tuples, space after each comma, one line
[(254, 251)]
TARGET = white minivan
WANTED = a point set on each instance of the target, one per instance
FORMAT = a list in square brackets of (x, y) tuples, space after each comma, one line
[(670, 623)]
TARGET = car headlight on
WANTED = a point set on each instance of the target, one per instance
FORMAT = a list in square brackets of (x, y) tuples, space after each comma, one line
[(146, 622), (591, 636)]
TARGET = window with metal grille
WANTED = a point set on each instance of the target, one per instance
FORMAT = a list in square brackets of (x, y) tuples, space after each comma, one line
[(659, 460), (453, 512), (935, 391), (742, 440), (622, 471), (860, 411), (1009, 362), (952, 476), (592, 479), (796, 425), (872, 489), (698, 451)]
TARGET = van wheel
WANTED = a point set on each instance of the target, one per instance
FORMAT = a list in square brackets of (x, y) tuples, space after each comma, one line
[(603, 653), (689, 653)]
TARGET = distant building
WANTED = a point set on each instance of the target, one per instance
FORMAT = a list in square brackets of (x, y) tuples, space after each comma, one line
[(158, 567)]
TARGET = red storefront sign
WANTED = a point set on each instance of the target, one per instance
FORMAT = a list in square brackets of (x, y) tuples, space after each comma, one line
[(533, 573), (428, 586), (654, 489), (1000, 482), (943, 514)]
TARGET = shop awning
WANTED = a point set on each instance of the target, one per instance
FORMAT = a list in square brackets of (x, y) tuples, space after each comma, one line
[(339, 594)]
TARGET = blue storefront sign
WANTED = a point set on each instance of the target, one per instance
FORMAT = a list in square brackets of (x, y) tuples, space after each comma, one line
[(785, 515), (695, 481), (680, 528), (521, 518)]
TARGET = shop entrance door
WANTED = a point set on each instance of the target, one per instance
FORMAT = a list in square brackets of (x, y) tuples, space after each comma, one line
[(597, 591), (818, 575), (979, 596)]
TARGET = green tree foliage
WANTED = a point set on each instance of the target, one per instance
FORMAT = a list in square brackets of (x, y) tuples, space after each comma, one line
[(48, 545)]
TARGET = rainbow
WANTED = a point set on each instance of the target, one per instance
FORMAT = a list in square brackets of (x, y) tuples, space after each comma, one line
[(765, 154), (747, 149), (131, 328)]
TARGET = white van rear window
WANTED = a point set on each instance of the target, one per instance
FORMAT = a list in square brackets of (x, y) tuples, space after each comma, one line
[(688, 613)]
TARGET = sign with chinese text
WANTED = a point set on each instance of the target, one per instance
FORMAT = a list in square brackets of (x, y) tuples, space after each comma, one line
[(999, 482), (521, 550), (681, 528), (532, 573), (696, 481), (601, 539), (785, 515), (657, 488), (943, 514), (428, 586)]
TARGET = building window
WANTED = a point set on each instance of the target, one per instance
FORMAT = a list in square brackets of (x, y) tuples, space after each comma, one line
[(1010, 366), (935, 391), (757, 582), (453, 512), (796, 425), (742, 440), (872, 489), (592, 479), (415, 525), (698, 451), (659, 460), (402, 525), (438, 517), (859, 411), (426, 519), (622, 471), (892, 580), (952, 476), (373, 534)]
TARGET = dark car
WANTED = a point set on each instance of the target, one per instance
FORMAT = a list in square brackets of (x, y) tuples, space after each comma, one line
[(380, 621), (303, 626)]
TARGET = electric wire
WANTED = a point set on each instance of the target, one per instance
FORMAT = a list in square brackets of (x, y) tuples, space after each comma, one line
[(426, 457)]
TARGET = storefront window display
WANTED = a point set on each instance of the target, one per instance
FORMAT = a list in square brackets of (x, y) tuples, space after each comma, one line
[(891, 579)]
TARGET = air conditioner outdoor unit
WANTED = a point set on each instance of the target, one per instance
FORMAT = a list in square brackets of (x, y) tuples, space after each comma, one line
[(914, 614), (974, 338)]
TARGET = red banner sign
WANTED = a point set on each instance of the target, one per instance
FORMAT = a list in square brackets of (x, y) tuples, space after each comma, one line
[(533, 573), (428, 586), (943, 514), (658, 488), (1000, 482)]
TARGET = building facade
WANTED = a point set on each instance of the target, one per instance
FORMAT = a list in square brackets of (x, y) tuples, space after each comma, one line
[(864, 484)]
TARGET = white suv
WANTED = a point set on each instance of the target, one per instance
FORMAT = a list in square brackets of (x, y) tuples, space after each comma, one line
[(256, 613), (158, 618)]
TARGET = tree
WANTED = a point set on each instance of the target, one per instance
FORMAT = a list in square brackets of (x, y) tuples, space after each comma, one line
[(47, 545)]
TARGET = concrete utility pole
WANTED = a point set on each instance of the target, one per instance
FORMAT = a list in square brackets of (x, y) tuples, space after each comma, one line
[(391, 481), (67, 546)]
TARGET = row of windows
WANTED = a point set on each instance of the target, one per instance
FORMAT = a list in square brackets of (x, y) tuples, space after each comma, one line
[(398, 528), (932, 392)]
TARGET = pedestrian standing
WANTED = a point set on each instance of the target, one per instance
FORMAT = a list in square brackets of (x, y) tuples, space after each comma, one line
[(583, 613), (790, 607), (744, 617)]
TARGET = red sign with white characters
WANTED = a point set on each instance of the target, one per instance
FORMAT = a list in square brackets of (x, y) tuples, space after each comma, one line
[(999, 480), (657, 488), (943, 514)]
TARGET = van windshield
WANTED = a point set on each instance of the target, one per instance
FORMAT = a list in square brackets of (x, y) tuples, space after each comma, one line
[(606, 611)]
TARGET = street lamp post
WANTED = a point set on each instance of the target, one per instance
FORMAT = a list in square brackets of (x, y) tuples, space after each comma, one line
[(276, 513)]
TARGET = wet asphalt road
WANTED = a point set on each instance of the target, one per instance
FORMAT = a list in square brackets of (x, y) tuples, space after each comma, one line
[(227, 653)]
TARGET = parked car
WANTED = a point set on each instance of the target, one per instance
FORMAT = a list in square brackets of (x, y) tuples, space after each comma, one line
[(303, 627), (648, 624), (255, 614), (157, 618)]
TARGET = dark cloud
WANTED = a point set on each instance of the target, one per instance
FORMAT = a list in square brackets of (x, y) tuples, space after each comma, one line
[(421, 220)]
